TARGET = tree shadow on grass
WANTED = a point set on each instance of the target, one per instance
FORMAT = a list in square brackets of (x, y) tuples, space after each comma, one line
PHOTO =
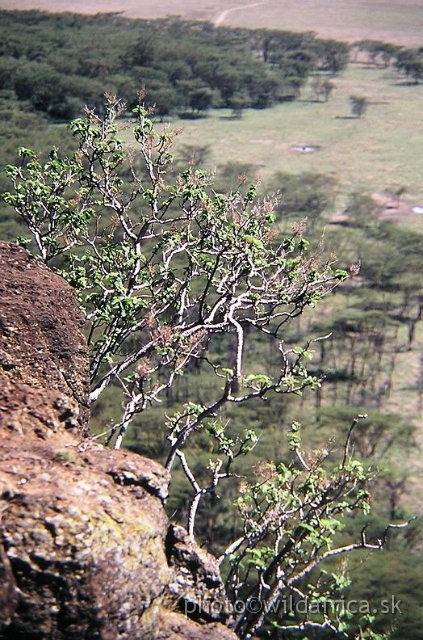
[(405, 83), (313, 101), (187, 115), (230, 117)]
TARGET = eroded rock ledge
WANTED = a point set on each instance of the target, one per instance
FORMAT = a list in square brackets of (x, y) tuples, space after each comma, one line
[(86, 550)]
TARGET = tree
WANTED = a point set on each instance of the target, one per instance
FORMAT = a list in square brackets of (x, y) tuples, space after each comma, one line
[(201, 99), (322, 87), (193, 155), (40, 84), (238, 102), (327, 88), (226, 80), (163, 269), (333, 55), (304, 195), (193, 265), (376, 50), (362, 209), (358, 105), (410, 62)]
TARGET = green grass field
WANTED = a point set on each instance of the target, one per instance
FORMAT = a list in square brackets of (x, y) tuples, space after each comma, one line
[(381, 150)]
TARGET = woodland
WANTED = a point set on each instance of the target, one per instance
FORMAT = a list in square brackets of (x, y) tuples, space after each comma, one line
[(347, 347)]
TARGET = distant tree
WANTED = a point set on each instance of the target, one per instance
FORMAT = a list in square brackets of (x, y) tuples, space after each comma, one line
[(322, 87), (145, 51), (316, 87), (416, 70), (327, 88), (8, 68), (262, 87), (238, 102), (163, 98), (358, 105), (371, 47), (402, 274), (297, 64), (190, 155), (42, 87), (306, 195), (272, 43), (89, 92), (201, 100), (163, 55), (387, 52), (379, 53), (227, 80), (333, 56), (410, 62), (362, 209)]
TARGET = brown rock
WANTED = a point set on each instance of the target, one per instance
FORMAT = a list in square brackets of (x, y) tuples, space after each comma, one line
[(85, 546), (41, 343), (197, 582), (175, 626), (87, 554)]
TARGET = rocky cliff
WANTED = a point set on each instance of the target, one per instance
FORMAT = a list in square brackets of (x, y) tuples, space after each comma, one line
[(86, 549)]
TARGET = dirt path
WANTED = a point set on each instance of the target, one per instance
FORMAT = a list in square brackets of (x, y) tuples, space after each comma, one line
[(224, 14)]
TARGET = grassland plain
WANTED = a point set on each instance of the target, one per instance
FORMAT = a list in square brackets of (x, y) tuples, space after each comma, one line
[(381, 150), (399, 21)]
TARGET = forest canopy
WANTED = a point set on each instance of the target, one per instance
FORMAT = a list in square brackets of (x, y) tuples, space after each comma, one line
[(59, 63)]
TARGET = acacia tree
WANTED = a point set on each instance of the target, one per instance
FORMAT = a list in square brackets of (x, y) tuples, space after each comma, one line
[(322, 87), (358, 105), (162, 266)]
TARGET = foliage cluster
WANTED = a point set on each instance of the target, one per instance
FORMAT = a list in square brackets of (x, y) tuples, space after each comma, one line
[(407, 60), (358, 105), (59, 63)]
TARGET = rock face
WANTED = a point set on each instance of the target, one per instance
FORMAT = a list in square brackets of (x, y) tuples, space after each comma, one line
[(86, 550), (43, 353)]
